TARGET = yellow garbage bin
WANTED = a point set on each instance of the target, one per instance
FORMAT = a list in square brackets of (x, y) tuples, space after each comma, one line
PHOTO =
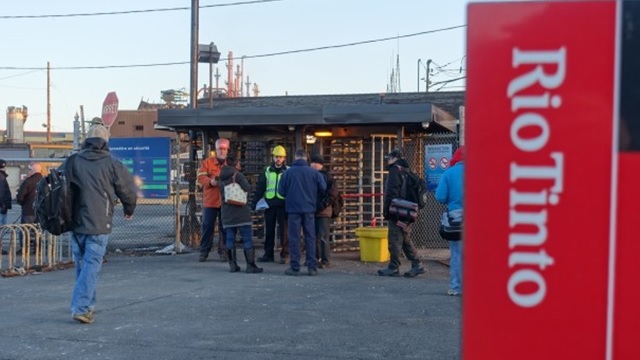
[(374, 246)]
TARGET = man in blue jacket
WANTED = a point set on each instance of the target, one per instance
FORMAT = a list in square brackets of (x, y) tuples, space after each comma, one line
[(450, 191), (300, 186)]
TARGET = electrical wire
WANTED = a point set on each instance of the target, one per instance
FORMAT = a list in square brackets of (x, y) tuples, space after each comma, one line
[(289, 52), (128, 12)]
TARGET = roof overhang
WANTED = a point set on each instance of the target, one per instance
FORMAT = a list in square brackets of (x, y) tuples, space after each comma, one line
[(327, 115)]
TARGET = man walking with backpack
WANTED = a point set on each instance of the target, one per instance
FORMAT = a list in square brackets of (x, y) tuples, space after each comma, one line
[(399, 237), (97, 180)]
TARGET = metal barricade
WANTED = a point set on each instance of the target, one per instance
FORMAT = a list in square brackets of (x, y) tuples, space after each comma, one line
[(40, 251)]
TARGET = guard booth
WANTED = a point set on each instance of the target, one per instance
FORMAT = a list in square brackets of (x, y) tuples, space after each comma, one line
[(352, 133)]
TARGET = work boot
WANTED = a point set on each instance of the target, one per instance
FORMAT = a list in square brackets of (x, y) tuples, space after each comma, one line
[(233, 265), (415, 271), (265, 258), (389, 272), (250, 256)]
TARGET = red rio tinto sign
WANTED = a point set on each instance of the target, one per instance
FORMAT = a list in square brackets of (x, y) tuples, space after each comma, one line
[(539, 215), (110, 109)]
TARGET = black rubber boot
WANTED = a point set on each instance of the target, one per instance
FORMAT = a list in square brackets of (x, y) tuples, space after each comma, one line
[(250, 255), (233, 264)]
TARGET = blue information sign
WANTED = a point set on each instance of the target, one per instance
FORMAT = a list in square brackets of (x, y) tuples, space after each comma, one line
[(148, 160), (435, 163)]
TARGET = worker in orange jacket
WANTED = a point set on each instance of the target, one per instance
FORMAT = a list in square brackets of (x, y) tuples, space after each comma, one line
[(209, 177)]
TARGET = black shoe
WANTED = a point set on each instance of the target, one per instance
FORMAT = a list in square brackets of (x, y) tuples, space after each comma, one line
[(202, 258), (292, 272), (265, 258), (389, 272), (283, 260), (415, 271), (324, 264), (313, 272)]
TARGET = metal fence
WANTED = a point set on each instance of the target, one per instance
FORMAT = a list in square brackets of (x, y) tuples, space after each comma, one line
[(358, 165)]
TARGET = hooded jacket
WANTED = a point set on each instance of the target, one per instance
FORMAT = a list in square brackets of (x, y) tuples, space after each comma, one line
[(27, 194), (234, 215), (394, 183), (450, 189), (97, 180)]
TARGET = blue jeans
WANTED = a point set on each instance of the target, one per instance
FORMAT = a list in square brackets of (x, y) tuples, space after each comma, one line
[(305, 221), (211, 216), (88, 251), (455, 269), (245, 233)]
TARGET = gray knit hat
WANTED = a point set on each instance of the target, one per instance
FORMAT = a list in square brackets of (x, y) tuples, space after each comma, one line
[(98, 131)]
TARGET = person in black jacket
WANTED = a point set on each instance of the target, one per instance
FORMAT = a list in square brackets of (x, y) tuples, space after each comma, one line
[(237, 218), (97, 180), (323, 213), (399, 239), (26, 195), (5, 193)]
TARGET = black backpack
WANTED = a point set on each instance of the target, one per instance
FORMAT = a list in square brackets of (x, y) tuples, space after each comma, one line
[(414, 188), (337, 207), (54, 201)]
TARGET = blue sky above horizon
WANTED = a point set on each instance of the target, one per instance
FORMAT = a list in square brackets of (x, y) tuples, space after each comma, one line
[(252, 29)]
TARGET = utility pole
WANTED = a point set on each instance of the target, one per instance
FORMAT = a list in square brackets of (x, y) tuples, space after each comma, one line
[(84, 130), (192, 223), (428, 73), (419, 61), (48, 103)]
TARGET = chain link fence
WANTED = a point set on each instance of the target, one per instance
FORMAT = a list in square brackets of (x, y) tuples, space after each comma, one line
[(357, 164)]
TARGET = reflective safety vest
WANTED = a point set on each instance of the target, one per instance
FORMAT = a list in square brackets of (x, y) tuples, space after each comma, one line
[(273, 179)]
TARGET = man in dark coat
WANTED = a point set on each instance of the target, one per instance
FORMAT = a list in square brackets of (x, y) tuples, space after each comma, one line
[(97, 180), (399, 238), (26, 195), (5, 193), (323, 214)]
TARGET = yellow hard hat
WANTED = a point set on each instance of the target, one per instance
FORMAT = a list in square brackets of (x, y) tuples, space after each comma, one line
[(279, 151)]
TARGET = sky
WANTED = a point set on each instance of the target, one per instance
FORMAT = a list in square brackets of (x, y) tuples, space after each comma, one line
[(246, 27)]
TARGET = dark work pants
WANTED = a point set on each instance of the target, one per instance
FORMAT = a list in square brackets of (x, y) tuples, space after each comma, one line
[(306, 221), (28, 219), (272, 216), (211, 216), (399, 240), (323, 247)]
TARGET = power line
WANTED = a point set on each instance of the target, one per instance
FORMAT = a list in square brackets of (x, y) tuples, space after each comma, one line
[(128, 12), (289, 52)]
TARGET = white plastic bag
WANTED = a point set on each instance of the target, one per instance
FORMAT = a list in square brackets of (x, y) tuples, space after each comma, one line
[(262, 204)]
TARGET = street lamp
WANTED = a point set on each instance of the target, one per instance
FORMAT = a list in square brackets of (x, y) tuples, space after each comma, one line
[(209, 54)]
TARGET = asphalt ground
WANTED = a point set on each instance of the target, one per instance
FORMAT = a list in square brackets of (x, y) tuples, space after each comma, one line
[(173, 307)]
